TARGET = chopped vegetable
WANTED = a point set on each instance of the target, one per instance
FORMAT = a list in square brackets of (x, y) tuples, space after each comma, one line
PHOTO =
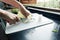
[(23, 18), (55, 30), (15, 10), (20, 15)]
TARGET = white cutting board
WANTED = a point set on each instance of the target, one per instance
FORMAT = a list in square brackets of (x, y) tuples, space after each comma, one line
[(36, 21)]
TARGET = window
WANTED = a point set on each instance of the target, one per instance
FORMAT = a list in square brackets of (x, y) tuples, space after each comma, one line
[(49, 3)]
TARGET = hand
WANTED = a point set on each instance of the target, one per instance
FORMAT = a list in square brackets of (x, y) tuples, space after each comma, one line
[(26, 14), (9, 17), (18, 5)]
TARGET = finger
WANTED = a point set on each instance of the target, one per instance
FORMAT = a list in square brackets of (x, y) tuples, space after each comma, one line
[(17, 19), (14, 21), (27, 14), (7, 20), (11, 22)]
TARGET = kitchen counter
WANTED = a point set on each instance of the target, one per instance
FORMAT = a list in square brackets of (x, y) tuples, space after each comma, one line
[(40, 33), (44, 32)]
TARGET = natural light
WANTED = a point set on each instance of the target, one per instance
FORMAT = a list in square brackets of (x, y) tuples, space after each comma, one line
[(43, 0)]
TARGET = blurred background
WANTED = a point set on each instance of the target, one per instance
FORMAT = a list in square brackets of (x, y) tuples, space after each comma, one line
[(43, 3)]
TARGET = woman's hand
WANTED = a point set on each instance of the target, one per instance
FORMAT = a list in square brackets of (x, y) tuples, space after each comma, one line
[(9, 17), (18, 5)]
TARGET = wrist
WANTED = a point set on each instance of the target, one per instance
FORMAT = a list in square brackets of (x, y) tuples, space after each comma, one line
[(2, 13)]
